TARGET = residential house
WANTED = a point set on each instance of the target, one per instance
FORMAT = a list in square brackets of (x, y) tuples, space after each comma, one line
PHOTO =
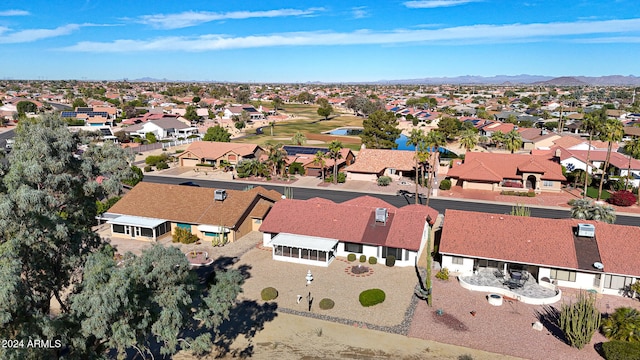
[(317, 230), (491, 127), (305, 155), (497, 172), (373, 163), (568, 253), (232, 111), (162, 128), (151, 210), (534, 138), (215, 153)]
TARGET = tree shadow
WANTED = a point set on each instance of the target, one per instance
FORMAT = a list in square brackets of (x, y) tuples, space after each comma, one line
[(549, 316), (246, 318)]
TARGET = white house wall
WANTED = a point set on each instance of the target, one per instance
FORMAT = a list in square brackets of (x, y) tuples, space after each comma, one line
[(465, 268), (266, 239)]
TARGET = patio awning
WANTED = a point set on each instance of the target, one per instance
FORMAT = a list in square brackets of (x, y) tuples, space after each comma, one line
[(136, 221), (213, 228), (304, 242)]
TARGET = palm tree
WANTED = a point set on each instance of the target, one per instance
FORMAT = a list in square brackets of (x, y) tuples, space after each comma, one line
[(584, 209), (612, 131), (591, 124), (498, 138), (416, 138), (622, 325), (319, 159), (433, 141), (299, 138), (334, 153), (469, 139), (276, 156), (513, 141)]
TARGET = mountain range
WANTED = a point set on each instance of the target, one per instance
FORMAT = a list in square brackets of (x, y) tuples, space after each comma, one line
[(504, 80)]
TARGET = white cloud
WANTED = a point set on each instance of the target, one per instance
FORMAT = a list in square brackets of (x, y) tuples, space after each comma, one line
[(430, 4), (14, 13), (478, 34), (359, 12), (12, 37), (193, 18)]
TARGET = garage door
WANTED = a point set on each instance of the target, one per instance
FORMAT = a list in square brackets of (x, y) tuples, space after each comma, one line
[(189, 162), (313, 172)]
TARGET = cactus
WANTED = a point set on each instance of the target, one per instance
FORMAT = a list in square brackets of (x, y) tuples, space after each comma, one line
[(580, 320)]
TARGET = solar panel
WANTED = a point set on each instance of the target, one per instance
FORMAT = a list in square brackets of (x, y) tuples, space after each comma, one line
[(88, 113), (106, 132), (291, 150)]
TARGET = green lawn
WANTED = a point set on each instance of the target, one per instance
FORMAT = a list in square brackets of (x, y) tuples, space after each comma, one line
[(592, 192), (311, 123)]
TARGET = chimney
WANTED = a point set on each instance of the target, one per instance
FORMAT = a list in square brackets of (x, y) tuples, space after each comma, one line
[(558, 153)]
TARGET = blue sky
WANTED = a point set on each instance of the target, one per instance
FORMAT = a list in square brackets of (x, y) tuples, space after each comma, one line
[(330, 41)]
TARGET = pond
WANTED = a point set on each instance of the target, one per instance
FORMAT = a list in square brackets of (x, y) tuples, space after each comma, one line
[(401, 141), (346, 131)]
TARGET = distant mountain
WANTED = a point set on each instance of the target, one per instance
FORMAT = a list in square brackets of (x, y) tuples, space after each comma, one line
[(523, 80)]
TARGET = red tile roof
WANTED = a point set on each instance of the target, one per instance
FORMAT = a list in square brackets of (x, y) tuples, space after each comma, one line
[(490, 166), (539, 241), (351, 221), (376, 160)]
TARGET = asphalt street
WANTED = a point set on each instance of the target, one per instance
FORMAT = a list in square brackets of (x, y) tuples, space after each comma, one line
[(396, 200)]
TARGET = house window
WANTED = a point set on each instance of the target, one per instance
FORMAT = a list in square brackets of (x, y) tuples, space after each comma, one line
[(389, 251), (392, 171), (184, 226), (258, 221), (147, 232), (547, 183), (617, 282), (163, 229), (457, 260), (118, 229), (353, 248), (216, 235), (563, 275)]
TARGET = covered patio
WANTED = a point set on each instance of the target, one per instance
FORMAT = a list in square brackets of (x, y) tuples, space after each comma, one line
[(137, 227), (519, 285), (302, 249)]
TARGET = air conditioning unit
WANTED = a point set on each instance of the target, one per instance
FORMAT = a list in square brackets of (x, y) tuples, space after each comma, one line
[(586, 230), (381, 215), (219, 194)]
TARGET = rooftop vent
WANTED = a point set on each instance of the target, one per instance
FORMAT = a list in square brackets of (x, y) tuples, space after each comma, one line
[(381, 215), (598, 265), (220, 194), (586, 230)]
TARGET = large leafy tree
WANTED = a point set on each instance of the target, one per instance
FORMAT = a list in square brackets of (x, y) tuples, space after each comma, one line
[(217, 133), (450, 127), (45, 223), (325, 108), (26, 106), (612, 131), (363, 106), (380, 131), (149, 298), (335, 148), (191, 113)]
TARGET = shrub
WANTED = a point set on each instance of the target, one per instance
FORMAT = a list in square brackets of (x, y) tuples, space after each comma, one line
[(384, 181), (351, 257), (148, 168), (371, 297), (373, 260), (622, 198), (206, 165), (153, 160), (621, 350), (184, 236), (622, 325), (326, 304), (531, 194), (518, 193), (443, 274), (445, 184), (390, 261), (162, 165), (296, 168), (363, 258), (342, 177), (269, 293), (580, 320), (465, 357)]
